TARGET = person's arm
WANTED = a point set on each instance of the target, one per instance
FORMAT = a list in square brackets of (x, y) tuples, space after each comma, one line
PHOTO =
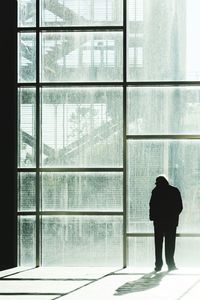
[(151, 207), (179, 202)]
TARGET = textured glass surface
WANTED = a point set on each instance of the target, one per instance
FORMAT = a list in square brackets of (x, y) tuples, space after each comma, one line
[(187, 252), (168, 110), (82, 191), (26, 13), (141, 252), (81, 56), (180, 162), (163, 40), (82, 126), (26, 191), (26, 127), (81, 12), (26, 57), (82, 241), (26, 241)]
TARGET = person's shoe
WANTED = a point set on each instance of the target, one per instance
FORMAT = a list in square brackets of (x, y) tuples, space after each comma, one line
[(157, 269), (172, 268)]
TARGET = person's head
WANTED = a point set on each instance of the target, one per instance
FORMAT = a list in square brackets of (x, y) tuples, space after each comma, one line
[(161, 181)]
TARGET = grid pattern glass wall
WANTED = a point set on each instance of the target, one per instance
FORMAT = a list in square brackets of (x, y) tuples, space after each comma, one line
[(108, 99)]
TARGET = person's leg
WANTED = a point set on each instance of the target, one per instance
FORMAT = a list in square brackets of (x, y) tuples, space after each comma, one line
[(170, 239), (158, 239)]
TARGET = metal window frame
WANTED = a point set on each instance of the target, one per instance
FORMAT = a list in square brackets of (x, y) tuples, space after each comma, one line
[(126, 137)]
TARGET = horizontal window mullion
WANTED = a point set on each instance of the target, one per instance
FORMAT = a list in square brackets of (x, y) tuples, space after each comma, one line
[(71, 169), (163, 83), (164, 136), (74, 213), (145, 234), (70, 28), (71, 84)]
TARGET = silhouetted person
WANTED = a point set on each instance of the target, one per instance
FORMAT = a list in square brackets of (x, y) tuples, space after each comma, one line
[(165, 207)]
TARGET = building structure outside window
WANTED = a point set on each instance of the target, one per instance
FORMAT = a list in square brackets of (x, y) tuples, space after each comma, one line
[(108, 99)]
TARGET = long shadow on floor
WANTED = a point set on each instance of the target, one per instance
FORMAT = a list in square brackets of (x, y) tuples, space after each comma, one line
[(148, 281)]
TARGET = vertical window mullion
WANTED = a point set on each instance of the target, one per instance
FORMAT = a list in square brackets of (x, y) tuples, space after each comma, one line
[(124, 131), (38, 231)]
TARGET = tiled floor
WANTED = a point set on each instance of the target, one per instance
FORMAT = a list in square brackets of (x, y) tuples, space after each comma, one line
[(99, 283)]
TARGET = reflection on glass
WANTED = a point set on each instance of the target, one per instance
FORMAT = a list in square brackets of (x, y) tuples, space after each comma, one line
[(26, 191), (82, 241), (82, 126), (26, 241), (26, 13), (169, 110), (163, 40), (26, 57), (179, 161), (81, 56), (81, 12), (26, 127), (82, 191)]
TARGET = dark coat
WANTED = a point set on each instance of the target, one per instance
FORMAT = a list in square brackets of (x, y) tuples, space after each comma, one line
[(165, 205)]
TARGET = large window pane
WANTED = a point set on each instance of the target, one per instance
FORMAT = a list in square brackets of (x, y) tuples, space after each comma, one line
[(163, 40), (26, 127), (168, 110), (81, 56), (26, 241), (82, 127), (26, 191), (82, 191), (26, 13), (26, 57), (180, 161), (141, 252), (82, 241), (81, 12)]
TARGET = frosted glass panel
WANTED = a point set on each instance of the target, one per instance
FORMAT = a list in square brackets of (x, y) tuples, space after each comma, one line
[(82, 241), (82, 126), (141, 252), (26, 241), (187, 252), (179, 160), (81, 56), (82, 191), (26, 127), (26, 191), (163, 40), (81, 12), (26, 13), (168, 110), (26, 57)]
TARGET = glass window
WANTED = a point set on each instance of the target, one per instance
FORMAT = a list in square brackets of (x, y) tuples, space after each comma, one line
[(26, 241), (82, 241), (81, 12), (26, 127), (141, 252), (167, 31), (150, 158), (81, 56), (168, 110), (26, 13), (82, 191), (26, 57), (82, 126), (26, 191)]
